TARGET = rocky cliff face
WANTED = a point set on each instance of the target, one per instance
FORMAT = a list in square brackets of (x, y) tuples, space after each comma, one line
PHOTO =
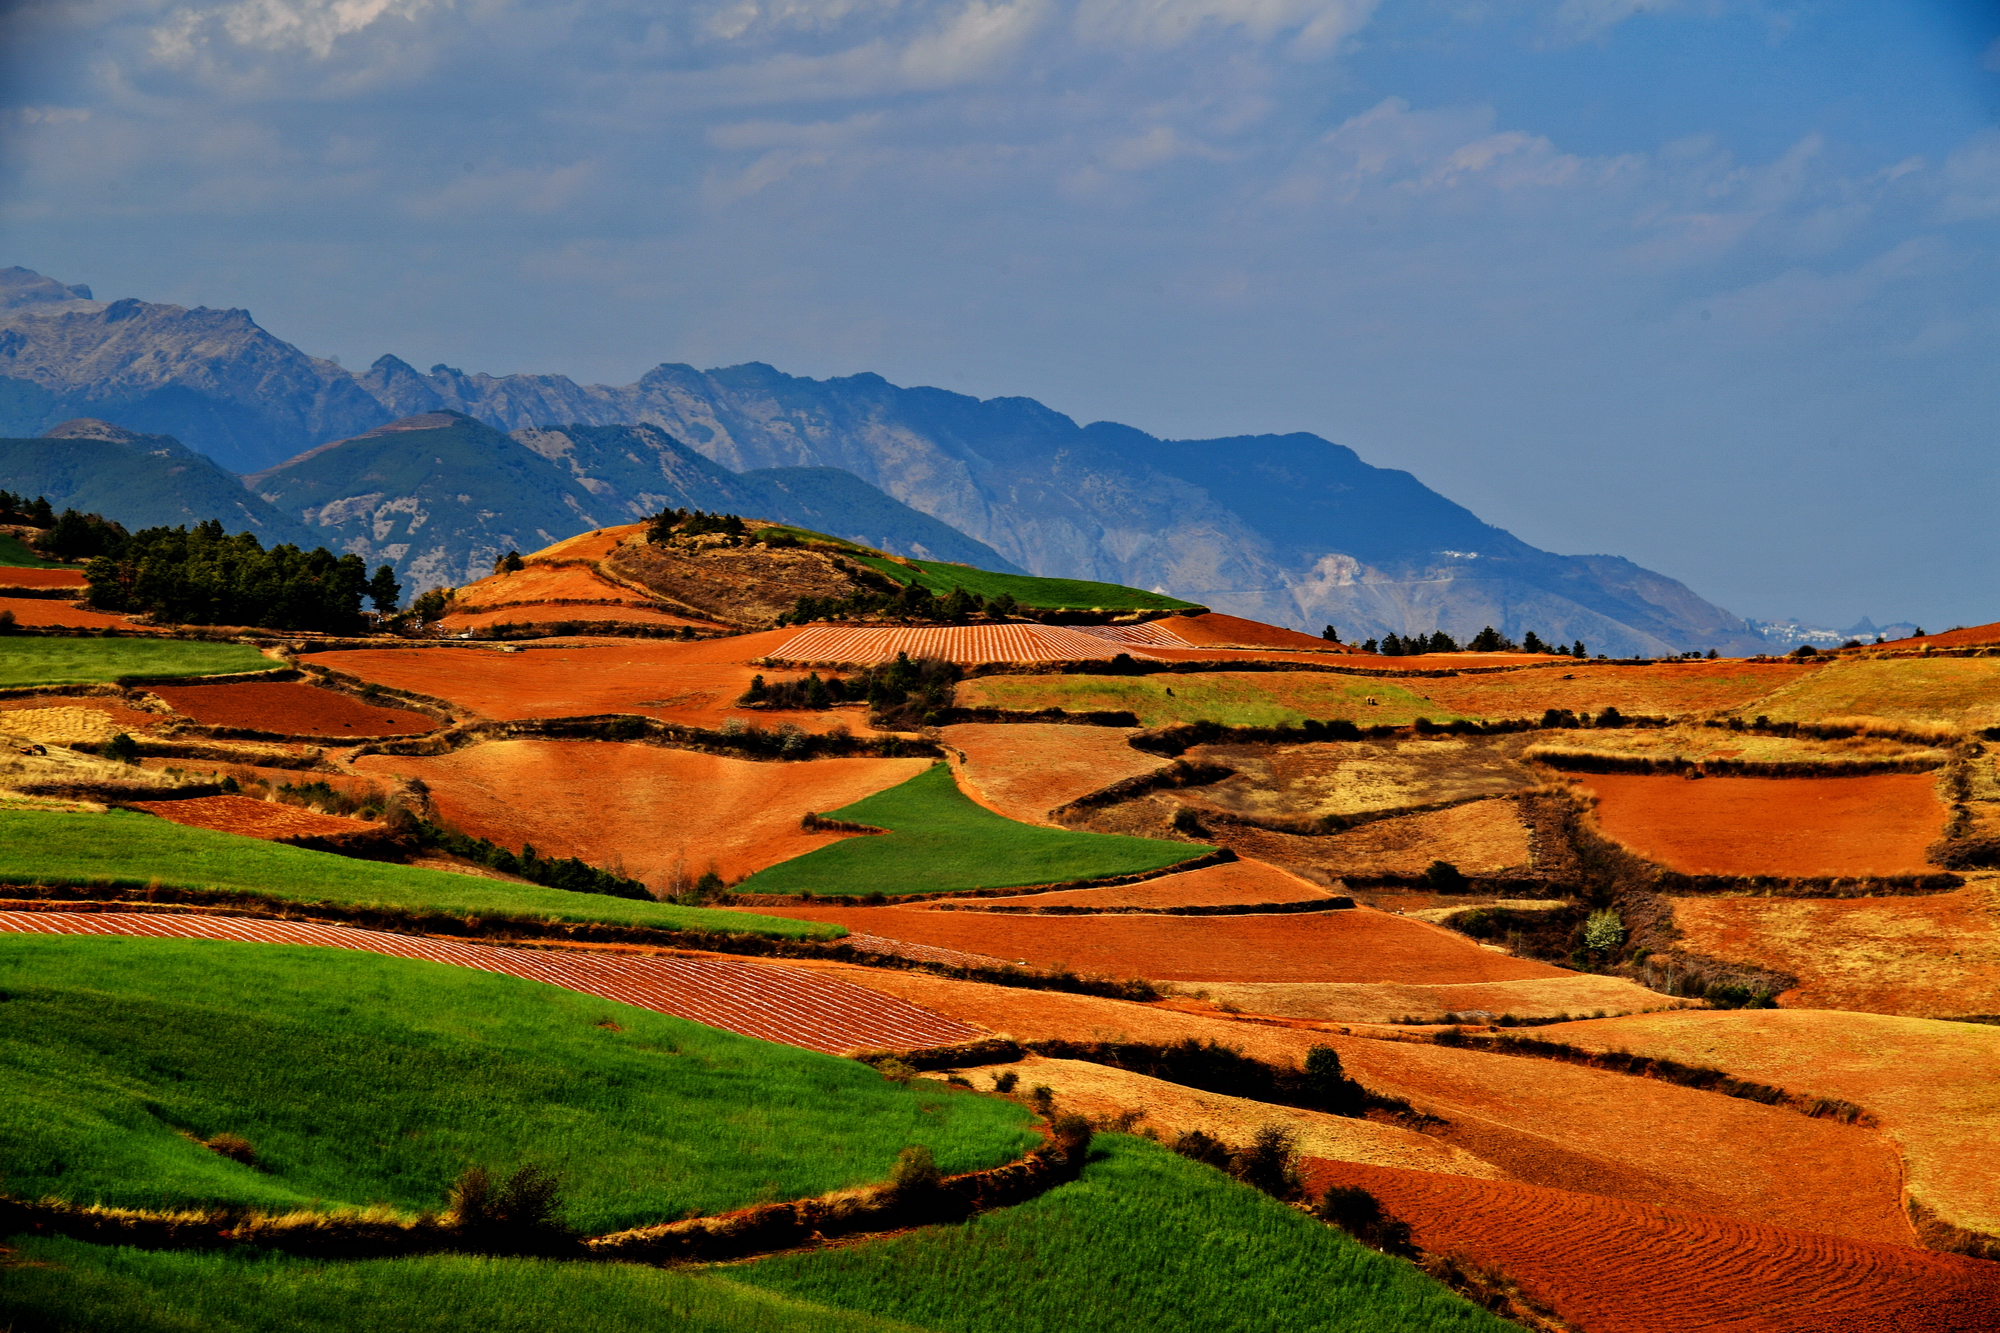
[(1292, 529)]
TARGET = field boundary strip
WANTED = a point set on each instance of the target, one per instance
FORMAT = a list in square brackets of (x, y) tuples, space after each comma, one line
[(772, 1004)]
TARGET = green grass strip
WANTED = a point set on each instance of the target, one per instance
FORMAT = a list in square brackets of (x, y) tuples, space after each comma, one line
[(940, 840), (1055, 594), (93, 661), (1145, 1240), (1232, 698), (16, 554), (41, 846), (361, 1078), (65, 1286)]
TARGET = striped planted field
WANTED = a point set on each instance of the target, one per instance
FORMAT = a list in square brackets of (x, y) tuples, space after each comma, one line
[(965, 644), (795, 1008), (1616, 1267)]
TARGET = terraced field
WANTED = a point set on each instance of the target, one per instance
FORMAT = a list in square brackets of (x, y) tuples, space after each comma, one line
[(25, 661), (1234, 698), (1026, 770), (291, 709), (256, 819), (1957, 692), (1654, 689)]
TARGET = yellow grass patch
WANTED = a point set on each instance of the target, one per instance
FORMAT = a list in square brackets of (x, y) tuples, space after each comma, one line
[(1234, 698), (1959, 692), (1535, 997)]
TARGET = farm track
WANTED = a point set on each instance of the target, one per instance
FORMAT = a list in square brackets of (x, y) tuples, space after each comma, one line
[(772, 1004), (1610, 1266)]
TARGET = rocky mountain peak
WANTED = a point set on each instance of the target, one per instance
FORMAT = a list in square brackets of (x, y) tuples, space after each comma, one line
[(23, 287)]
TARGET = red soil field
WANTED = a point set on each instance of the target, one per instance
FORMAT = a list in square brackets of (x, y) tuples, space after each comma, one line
[(796, 1008), (1233, 882), (540, 582), (1930, 1084), (41, 578), (1353, 945), (640, 805), (1957, 638), (44, 612), (353, 784), (1025, 770), (1935, 956), (1617, 1267), (125, 717), (1214, 630), (1874, 825), (1541, 1122), (1655, 689), (587, 545), (253, 818), (291, 709), (694, 684), (547, 614)]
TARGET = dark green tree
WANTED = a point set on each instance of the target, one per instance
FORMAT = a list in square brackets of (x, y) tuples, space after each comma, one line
[(383, 590)]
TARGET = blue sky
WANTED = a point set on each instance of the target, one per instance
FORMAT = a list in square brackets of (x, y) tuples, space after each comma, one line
[(1711, 285)]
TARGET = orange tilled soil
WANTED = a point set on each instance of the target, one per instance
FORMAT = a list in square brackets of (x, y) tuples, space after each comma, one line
[(1539, 1121), (253, 818), (1352, 945), (44, 612), (1875, 825), (1104, 1093), (544, 613), (1233, 882), (1932, 1085), (1480, 838), (42, 578), (540, 582), (1025, 770), (1618, 1267), (1652, 690), (291, 709), (1214, 629), (1936, 956), (640, 805), (1956, 638), (695, 684)]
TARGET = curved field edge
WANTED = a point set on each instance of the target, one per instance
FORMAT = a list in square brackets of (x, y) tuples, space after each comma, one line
[(1144, 1240), (61, 1286), (940, 840), (91, 661), (124, 849), (359, 1080)]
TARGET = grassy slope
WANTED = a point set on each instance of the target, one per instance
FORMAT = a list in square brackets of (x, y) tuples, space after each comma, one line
[(1960, 690), (941, 840), (26, 661), (68, 1287), (1145, 1240), (14, 554), (360, 1078), (39, 846), (1067, 594), (1238, 699)]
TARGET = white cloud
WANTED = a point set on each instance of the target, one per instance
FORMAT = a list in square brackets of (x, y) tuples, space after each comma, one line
[(278, 26), (1157, 24)]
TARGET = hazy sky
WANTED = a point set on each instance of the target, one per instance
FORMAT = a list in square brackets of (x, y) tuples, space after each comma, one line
[(1708, 284)]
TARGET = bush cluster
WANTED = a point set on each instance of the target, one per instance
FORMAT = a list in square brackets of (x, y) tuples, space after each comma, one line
[(1488, 640), (37, 513), (908, 692), (551, 872), (671, 523), (202, 576), (883, 596)]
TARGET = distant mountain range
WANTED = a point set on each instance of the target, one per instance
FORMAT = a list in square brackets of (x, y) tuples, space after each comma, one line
[(1291, 529)]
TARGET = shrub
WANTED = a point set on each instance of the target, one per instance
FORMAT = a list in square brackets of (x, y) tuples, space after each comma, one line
[(1043, 1099), (233, 1146), (521, 1214), (1004, 1082), (1270, 1163), (1359, 1213), (916, 1171), (1327, 1085), (1201, 1147), (1444, 877), (1604, 930), (1071, 1135), (122, 748), (7, 622)]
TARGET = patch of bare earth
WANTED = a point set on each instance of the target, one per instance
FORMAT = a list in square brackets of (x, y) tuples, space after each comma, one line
[(1544, 997), (290, 709), (1630, 1267), (1357, 777), (253, 818), (1480, 838), (1233, 883), (640, 806), (1025, 770)]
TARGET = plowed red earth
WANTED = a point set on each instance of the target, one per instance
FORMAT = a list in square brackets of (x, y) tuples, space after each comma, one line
[(1653, 690), (291, 710), (1232, 883), (1617, 1267), (1353, 945), (694, 684), (1875, 825), (42, 578), (125, 718), (1957, 638), (45, 612), (956, 643), (639, 805), (254, 818), (820, 1013), (540, 582), (1541, 1122), (1025, 770), (1219, 631)]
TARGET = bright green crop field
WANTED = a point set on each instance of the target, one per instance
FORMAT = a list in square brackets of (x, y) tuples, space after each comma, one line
[(940, 840), (91, 661), (121, 847), (359, 1078), (16, 554), (1057, 594), (1145, 1240), (1232, 698)]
